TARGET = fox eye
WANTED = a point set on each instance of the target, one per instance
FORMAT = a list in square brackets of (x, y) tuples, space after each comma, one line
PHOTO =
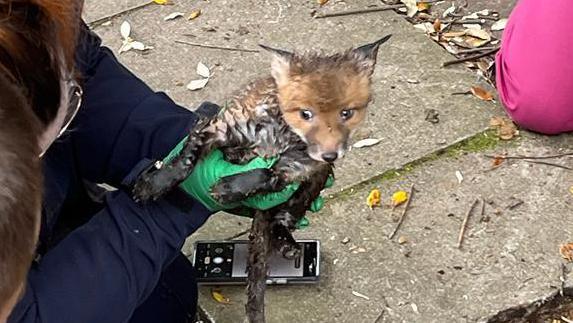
[(306, 114), (346, 114)]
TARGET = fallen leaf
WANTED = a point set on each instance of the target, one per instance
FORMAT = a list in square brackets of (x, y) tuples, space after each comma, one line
[(497, 161), (499, 25), (566, 251), (357, 294), (219, 297), (373, 198), (507, 131), (473, 42), (125, 30), (194, 14), (412, 7), (496, 121), (321, 2), (399, 197), (448, 11), (173, 16), (481, 93), (162, 2), (402, 240), (423, 6), (197, 84), (478, 33), (471, 16), (459, 176), (359, 250), (107, 23), (437, 25), (139, 46), (203, 70), (471, 26), (345, 240), (453, 34), (366, 143), (426, 27), (571, 190)]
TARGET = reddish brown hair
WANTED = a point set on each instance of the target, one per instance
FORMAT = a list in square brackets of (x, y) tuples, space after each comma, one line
[(37, 45)]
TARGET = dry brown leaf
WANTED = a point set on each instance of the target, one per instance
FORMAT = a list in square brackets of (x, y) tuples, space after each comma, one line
[(497, 161), (478, 33), (321, 2), (496, 121), (481, 93), (194, 14), (453, 34), (566, 251), (507, 131), (499, 25), (472, 42), (437, 25), (411, 6), (424, 6)]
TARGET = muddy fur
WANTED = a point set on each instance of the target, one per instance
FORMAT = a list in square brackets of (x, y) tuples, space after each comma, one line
[(270, 118)]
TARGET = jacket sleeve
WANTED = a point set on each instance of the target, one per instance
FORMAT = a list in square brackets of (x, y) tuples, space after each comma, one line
[(103, 270), (121, 120)]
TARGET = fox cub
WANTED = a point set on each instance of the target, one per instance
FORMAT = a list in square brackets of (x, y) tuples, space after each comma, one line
[(304, 113)]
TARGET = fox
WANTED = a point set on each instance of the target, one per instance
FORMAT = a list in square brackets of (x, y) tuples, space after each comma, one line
[(304, 114)]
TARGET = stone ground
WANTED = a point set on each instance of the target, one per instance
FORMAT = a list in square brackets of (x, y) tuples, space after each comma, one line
[(510, 260)]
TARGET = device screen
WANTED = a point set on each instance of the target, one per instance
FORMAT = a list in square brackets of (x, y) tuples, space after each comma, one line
[(221, 262)]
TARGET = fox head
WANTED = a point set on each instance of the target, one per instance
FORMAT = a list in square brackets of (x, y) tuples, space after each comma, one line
[(324, 98)]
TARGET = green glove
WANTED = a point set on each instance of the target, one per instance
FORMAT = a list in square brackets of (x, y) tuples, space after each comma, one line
[(213, 167)]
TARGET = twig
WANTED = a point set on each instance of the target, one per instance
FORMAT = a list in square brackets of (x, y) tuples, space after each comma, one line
[(119, 13), (380, 317), (470, 58), (548, 164), (410, 196), (358, 12), (475, 50), (217, 47), (562, 278), (532, 157), (240, 234), (465, 224)]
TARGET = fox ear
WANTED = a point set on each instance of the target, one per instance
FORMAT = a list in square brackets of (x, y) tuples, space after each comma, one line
[(366, 54), (280, 65)]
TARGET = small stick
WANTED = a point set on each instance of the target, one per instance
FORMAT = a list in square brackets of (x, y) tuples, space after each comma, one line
[(548, 164), (380, 317), (475, 50), (410, 196), (217, 47), (532, 157), (470, 58), (240, 234), (119, 13), (358, 12), (465, 224)]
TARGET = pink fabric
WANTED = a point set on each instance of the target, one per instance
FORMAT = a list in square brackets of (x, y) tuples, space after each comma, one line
[(535, 66)]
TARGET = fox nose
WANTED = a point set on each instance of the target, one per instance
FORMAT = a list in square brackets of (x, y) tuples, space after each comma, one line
[(330, 157)]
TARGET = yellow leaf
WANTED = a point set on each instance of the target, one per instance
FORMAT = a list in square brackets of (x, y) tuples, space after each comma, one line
[(571, 189), (566, 251), (481, 93), (194, 14), (373, 198), (220, 298), (162, 2), (423, 6), (399, 197), (322, 2)]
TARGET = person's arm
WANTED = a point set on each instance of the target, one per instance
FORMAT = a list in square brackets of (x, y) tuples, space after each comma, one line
[(103, 270), (121, 120)]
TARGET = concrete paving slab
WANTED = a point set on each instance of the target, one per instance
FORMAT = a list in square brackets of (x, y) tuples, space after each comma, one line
[(397, 115), (512, 259), (94, 10)]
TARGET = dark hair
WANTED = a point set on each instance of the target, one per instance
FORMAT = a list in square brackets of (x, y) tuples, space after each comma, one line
[(37, 45)]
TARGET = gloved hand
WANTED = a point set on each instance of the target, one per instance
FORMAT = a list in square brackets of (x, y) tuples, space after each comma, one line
[(213, 167)]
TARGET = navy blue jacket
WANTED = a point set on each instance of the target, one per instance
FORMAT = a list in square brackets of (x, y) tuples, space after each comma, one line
[(102, 270)]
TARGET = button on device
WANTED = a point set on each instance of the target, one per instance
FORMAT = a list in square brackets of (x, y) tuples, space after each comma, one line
[(207, 260), (218, 250), (281, 281), (216, 270), (218, 260)]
